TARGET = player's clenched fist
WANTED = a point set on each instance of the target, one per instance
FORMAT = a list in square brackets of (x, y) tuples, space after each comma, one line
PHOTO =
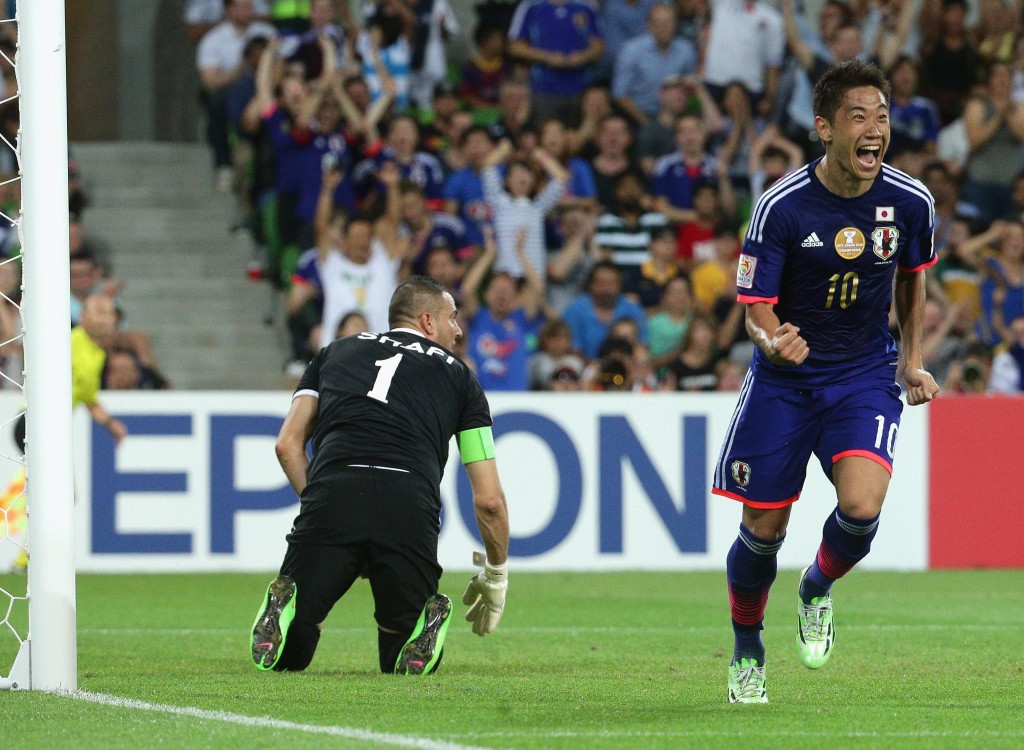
[(921, 386), (788, 347), (485, 596)]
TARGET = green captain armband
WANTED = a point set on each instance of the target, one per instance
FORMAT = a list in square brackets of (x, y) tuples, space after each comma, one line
[(476, 444)]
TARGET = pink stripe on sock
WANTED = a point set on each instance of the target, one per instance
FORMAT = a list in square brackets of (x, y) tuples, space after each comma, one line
[(747, 607), (832, 565)]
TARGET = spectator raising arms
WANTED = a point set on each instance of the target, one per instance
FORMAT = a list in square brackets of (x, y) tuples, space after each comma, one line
[(514, 207)]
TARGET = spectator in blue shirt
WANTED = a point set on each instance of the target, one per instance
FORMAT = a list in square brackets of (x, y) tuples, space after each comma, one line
[(621, 20), (463, 191), (677, 175), (503, 332), (913, 120), (561, 39), (647, 60), (591, 315)]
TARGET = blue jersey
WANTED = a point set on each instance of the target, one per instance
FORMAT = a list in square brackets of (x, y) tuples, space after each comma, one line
[(671, 178), (311, 166), (447, 231), (912, 124), (467, 188), (424, 169), (564, 27), (827, 264), (501, 348), (287, 143), (307, 271)]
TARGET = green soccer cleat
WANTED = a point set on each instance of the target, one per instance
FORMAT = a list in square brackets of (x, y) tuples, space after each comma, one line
[(422, 652), (270, 630), (815, 632), (747, 682)]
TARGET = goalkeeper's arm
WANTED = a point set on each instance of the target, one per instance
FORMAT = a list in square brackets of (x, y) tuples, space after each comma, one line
[(489, 506), (485, 595)]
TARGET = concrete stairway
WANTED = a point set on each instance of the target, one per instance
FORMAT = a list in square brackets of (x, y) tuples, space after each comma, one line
[(167, 229)]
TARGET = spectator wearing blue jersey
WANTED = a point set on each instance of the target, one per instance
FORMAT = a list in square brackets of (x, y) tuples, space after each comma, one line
[(326, 149), (425, 229), (1002, 288), (914, 120), (561, 39), (502, 332), (590, 316), (274, 120), (402, 146), (648, 59), (676, 176), (463, 191), (828, 252)]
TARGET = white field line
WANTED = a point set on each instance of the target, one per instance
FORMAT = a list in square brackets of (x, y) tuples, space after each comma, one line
[(265, 722), (736, 731)]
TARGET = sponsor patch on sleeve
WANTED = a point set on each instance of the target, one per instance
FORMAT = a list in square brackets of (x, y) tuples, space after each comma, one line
[(745, 271)]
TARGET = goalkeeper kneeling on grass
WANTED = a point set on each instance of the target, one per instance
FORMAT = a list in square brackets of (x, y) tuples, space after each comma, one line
[(380, 409)]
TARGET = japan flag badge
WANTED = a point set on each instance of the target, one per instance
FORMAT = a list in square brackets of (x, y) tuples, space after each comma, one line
[(885, 213)]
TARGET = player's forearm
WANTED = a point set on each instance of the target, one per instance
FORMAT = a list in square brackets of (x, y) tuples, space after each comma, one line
[(909, 295), (761, 323), (492, 520), (294, 463)]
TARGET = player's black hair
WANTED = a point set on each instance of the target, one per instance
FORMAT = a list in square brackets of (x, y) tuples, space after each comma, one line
[(837, 80), (413, 296)]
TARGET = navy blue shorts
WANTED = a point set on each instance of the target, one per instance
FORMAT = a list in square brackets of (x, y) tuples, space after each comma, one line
[(775, 429)]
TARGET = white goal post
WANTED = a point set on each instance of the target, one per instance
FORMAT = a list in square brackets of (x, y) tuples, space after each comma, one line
[(47, 659)]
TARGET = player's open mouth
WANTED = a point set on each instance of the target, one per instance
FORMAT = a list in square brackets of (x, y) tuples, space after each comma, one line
[(868, 155)]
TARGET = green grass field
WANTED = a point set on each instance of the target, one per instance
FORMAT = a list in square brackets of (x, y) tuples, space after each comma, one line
[(929, 660)]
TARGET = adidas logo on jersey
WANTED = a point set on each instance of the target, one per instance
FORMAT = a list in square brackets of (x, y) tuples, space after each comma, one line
[(812, 240)]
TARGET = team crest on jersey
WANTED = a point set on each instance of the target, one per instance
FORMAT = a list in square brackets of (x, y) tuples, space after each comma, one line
[(850, 242), (745, 271), (884, 239), (741, 473), (580, 20)]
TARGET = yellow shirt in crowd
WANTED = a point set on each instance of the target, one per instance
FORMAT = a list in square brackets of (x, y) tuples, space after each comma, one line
[(87, 359)]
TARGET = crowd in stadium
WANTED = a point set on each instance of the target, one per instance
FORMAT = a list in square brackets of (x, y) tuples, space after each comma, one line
[(583, 181)]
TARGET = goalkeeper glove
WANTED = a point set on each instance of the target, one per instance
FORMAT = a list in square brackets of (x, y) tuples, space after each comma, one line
[(485, 596)]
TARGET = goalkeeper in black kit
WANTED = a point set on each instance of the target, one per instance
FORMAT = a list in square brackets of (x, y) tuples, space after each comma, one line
[(381, 409)]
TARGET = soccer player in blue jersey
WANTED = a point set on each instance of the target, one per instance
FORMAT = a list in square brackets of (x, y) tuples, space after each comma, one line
[(816, 273)]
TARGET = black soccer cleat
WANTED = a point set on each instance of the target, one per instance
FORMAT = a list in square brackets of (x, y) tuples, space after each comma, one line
[(422, 652)]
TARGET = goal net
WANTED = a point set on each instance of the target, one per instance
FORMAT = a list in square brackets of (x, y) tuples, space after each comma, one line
[(38, 648)]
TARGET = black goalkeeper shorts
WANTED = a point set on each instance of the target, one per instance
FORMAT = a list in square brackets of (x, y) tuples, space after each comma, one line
[(386, 521)]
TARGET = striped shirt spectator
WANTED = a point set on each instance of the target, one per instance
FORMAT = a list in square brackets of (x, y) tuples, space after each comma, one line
[(514, 210)]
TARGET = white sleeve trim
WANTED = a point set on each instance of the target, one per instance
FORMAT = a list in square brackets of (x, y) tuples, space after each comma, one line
[(305, 392)]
